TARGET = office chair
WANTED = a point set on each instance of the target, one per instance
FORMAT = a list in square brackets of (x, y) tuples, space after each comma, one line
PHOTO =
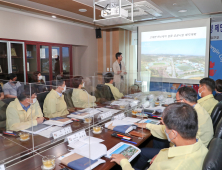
[(68, 97), (41, 97), (216, 114), (213, 158), (218, 131)]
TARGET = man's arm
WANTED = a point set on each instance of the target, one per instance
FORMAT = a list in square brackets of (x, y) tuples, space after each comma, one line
[(49, 107), (116, 93), (14, 123), (157, 130)]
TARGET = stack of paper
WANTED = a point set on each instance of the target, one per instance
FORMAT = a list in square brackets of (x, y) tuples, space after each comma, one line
[(81, 114), (37, 129), (113, 111), (58, 122), (48, 132), (120, 103)]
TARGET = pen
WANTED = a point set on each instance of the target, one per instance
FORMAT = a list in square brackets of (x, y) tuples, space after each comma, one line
[(129, 141)]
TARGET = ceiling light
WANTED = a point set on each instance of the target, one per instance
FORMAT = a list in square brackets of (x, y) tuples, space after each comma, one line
[(183, 10), (53, 16), (82, 10)]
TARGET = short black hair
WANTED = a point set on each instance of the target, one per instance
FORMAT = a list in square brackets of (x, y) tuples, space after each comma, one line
[(118, 54), (182, 118), (188, 93), (58, 82), (25, 92), (11, 76), (108, 77), (210, 83), (219, 85), (77, 80)]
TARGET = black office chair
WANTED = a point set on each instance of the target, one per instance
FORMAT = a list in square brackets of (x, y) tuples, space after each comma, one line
[(41, 97), (213, 158), (103, 93), (68, 97), (3, 106), (216, 114), (218, 131)]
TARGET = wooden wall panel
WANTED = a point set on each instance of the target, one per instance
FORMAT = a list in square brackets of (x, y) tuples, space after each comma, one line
[(108, 49), (115, 43)]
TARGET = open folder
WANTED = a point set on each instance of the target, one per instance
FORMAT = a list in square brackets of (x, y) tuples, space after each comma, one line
[(78, 162)]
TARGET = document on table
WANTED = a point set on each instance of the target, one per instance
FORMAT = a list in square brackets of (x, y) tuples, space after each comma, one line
[(103, 109), (48, 132), (120, 103), (121, 123), (57, 123), (131, 119), (37, 129), (92, 151)]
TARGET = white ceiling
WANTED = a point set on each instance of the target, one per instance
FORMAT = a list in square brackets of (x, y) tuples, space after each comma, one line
[(170, 8)]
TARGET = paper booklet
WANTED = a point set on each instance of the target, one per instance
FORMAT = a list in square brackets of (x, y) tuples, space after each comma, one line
[(81, 114), (152, 121), (127, 150), (37, 129), (120, 128), (79, 162), (58, 121), (48, 132)]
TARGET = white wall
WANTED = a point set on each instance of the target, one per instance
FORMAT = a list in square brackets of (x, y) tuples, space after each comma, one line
[(24, 27)]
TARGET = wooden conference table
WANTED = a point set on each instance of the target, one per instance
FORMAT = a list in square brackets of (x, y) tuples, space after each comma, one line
[(45, 146)]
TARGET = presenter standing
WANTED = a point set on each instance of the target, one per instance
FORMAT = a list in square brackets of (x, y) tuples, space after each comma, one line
[(119, 72)]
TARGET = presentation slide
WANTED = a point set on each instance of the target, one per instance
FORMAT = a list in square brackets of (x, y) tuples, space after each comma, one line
[(178, 53), (175, 52)]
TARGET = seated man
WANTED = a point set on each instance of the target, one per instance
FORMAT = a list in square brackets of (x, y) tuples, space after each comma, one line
[(205, 127), (54, 103), (23, 112), (206, 88), (218, 89), (80, 97), (10, 88), (188, 151), (109, 82)]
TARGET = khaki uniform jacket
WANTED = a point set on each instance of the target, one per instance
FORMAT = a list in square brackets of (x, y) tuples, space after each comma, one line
[(116, 94), (81, 98), (54, 105), (116, 68), (208, 103), (189, 157), (205, 127), (18, 119)]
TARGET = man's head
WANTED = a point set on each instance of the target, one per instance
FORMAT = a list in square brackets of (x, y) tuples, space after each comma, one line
[(108, 78), (12, 77), (219, 85), (206, 87), (119, 56), (187, 95), (78, 82), (59, 85), (27, 95), (181, 122)]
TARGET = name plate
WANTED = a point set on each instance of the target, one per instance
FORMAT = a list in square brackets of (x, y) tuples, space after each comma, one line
[(76, 136), (106, 115), (62, 132), (119, 116), (2, 167)]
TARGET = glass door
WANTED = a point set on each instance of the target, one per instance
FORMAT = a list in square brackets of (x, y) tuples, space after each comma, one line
[(56, 69), (65, 61), (3, 60), (44, 62), (31, 53), (17, 60)]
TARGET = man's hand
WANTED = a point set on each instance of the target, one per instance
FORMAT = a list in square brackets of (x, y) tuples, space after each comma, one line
[(153, 159), (141, 125), (40, 120), (117, 158), (119, 72)]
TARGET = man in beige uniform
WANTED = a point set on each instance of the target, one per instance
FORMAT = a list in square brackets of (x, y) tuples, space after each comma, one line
[(206, 88), (119, 70), (23, 112), (109, 82), (54, 103), (188, 151)]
